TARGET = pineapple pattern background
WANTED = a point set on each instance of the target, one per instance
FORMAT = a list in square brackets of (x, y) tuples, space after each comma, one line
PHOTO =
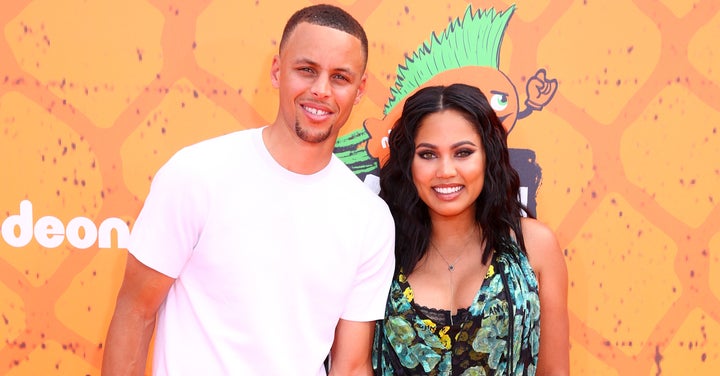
[(96, 95)]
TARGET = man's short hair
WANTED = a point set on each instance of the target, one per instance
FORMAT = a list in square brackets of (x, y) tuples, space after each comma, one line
[(329, 16)]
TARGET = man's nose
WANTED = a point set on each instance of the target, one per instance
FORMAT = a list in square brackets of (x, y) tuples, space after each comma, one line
[(321, 86)]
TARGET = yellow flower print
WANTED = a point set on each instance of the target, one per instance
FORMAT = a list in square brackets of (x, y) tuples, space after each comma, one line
[(444, 338), (430, 325), (408, 294), (490, 272)]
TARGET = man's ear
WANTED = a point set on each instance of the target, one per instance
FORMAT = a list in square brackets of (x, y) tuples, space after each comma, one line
[(361, 88), (275, 71)]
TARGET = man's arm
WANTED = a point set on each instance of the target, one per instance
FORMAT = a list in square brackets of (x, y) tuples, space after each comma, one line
[(352, 348), (126, 346)]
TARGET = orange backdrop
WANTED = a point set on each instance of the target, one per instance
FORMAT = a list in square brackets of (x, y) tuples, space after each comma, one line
[(96, 95)]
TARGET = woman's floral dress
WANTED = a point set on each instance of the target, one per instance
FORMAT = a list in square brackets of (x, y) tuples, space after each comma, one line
[(414, 340)]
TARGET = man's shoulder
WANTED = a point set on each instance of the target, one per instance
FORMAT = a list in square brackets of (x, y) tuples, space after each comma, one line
[(360, 194), (352, 182), (222, 142), (210, 154)]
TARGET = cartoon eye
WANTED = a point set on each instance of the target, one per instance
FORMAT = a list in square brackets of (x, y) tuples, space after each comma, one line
[(499, 101)]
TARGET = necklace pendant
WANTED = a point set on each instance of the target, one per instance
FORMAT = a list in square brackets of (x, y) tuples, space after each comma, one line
[(451, 267)]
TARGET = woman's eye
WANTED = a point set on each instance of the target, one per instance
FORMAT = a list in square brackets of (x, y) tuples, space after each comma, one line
[(426, 155), (464, 153)]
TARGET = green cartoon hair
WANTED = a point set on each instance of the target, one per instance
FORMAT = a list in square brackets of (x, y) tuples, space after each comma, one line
[(473, 41)]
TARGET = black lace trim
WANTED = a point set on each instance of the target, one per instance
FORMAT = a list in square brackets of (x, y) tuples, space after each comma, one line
[(441, 317)]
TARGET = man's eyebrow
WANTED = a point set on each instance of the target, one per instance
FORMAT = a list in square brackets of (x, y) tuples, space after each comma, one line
[(346, 70), (304, 60)]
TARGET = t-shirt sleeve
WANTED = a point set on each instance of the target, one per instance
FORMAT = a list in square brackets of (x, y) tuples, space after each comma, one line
[(372, 284), (170, 222)]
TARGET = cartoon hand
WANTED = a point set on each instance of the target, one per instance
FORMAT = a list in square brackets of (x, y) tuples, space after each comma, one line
[(378, 129), (540, 90)]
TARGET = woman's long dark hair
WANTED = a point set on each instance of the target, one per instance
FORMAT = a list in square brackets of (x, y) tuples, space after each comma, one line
[(498, 208)]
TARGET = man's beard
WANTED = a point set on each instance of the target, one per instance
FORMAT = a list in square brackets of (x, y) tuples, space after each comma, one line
[(312, 137)]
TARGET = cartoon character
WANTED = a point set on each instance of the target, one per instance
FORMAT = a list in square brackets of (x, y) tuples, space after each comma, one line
[(468, 51)]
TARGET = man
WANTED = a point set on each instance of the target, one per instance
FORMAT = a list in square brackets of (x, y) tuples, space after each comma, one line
[(259, 251)]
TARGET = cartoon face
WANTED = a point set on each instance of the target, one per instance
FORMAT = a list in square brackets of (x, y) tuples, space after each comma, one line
[(496, 86), (501, 94), (477, 64)]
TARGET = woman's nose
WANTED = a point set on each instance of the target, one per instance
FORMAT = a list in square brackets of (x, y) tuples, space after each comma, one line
[(446, 168)]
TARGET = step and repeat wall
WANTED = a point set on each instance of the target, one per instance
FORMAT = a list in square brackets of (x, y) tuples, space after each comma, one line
[(612, 109)]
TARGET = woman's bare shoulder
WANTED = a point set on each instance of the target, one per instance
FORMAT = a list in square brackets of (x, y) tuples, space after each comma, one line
[(541, 244)]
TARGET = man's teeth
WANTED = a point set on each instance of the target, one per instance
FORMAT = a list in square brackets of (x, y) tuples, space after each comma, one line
[(447, 190), (316, 111)]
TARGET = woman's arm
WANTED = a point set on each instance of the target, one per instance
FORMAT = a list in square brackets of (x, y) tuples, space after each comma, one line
[(548, 262)]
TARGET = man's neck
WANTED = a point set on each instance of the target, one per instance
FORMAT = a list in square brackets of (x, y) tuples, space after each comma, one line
[(294, 154)]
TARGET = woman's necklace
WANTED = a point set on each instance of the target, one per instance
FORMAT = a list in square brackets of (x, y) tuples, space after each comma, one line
[(451, 269), (451, 266)]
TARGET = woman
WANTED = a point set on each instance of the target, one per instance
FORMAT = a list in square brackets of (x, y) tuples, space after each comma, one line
[(466, 256)]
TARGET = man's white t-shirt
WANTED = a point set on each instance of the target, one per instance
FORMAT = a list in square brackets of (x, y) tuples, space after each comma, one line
[(266, 260)]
